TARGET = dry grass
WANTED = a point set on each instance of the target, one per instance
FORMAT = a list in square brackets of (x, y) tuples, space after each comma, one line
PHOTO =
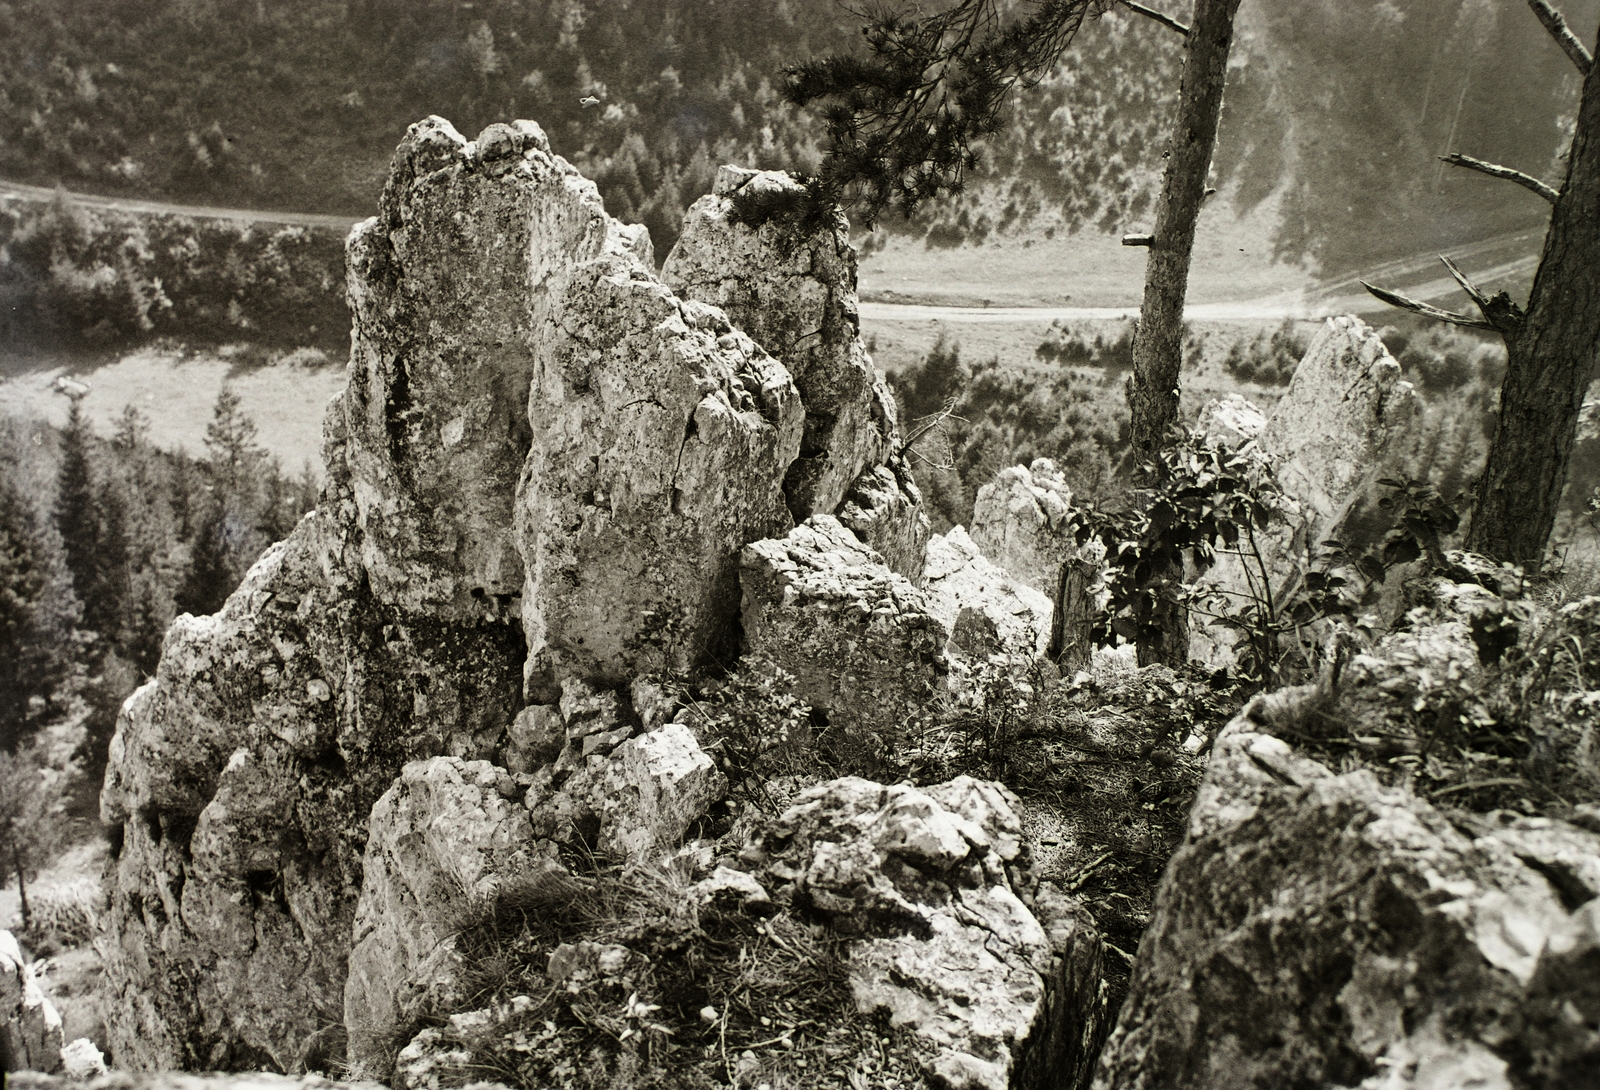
[(678, 995)]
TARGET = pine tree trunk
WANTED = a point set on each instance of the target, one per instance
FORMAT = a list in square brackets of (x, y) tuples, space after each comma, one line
[(1550, 363), (22, 890), (1158, 345)]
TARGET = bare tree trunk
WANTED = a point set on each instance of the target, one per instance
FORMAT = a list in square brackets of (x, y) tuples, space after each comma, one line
[(1550, 362), (1158, 346), (22, 889)]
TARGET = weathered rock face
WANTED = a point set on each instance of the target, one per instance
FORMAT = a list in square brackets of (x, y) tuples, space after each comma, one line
[(445, 841), (791, 285), (1022, 520), (986, 613), (663, 437), (883, 508), (431, 433), (858, 638), (30, 1028), (239, 784), (939, 885), (1328, 436), (1319, 930)]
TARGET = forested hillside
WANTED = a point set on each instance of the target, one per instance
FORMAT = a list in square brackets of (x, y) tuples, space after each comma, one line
[(1336, 107)]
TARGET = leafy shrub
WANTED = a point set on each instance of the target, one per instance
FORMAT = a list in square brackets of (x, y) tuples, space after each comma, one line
[(1075, 349)]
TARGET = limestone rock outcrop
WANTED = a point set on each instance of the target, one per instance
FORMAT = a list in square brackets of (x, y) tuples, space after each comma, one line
[(1325, 442), (30, 1028), (1321, 929), (1022, 521), (663, 438), (986, 613), (883, 508), (446, 841), (239, 787), (857, 637), (999, 981), (748, 248), (1329, 434)]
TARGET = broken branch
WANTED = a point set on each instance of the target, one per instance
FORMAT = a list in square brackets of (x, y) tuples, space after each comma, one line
[(1395, 299), (1168, 21), (1138, 240), (1495, 170), (1467, 286), (1568, 41)]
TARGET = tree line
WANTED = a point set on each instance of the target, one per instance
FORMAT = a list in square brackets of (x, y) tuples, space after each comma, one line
[(104, 541)]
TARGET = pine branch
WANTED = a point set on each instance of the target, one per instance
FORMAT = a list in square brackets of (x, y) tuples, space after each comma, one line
[(1467, 286), (1160, 17), (1568, 41), (1395, 299), (1495, 170)]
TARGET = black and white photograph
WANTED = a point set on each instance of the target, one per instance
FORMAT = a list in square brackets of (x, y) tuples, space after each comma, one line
[(799, 545)]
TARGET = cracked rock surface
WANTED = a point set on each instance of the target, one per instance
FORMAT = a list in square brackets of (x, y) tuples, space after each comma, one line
[(1323, 930), (859, 639), (998, 979)]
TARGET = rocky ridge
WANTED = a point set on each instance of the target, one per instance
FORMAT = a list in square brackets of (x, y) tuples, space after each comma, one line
[(548, 478)]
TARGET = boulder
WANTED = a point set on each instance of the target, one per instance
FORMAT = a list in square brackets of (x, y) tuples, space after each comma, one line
[(1230, 421), (445, 842), (1022, 521), (784, 272), (632, 800), (883, 508), (238, 790), (30, 1028), (1318, 929), (939, 887), (1328, 437), (858, 638), (986, 613)]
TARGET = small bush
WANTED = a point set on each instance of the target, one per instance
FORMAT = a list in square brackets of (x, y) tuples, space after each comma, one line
[(1268, 359), (65, 916)]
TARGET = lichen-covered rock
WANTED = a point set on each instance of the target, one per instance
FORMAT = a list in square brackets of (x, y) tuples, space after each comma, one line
[(1022, 521), (445, 841), (239, 785), (939, 886), (883, 508), (1322, 930), (30, 1028), (662, 439), (857, 637), (431, 432), (633, 799), (1230, 421), (1329, 434), (986, 612), (787, 277)]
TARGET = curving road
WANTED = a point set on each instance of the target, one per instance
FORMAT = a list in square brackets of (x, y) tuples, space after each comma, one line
[(1511, 260), (38, 193)]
